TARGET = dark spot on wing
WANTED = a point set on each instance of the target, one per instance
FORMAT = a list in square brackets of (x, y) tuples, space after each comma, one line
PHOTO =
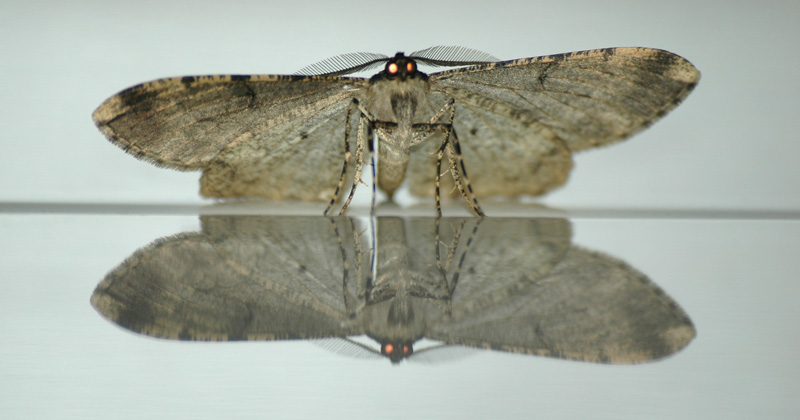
[(609, 51), (242, 87), (187, 81), (473, 131), (139, 98), (552, 152), (665, 59), (543, 75), (185, 335), (136, 314)]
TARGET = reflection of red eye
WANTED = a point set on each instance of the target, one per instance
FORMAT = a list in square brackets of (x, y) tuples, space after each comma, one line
[(410, 67), (389, 348), (392, 68)]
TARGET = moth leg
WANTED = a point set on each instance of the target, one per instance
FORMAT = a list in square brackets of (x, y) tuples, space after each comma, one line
[(345, 269), (353, 105), (454, 280), (442, 269), (457, 169), (349, 272), (373, 257), (452, 248), (372, 126), (459, 173), (422, 131), (437, 180), (456, 174), (362, 128), (371, 147)]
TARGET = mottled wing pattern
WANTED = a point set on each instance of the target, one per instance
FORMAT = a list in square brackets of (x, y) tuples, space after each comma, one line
[(519, 120), (265, 136), (589, 307), (242, 278)]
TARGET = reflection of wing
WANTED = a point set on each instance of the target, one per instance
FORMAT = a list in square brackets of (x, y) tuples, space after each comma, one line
[(590, 307), (242, 278), (271, 136), (501, 253), (517, 120)]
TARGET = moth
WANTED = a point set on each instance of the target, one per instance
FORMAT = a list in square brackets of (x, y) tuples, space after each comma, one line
[(514, 285), (514, 124)]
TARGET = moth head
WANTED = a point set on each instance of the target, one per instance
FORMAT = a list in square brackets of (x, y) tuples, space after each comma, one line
[(397, 351), (401, 67)]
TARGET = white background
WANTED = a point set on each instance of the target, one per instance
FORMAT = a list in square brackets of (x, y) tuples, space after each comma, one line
[(732, 144)]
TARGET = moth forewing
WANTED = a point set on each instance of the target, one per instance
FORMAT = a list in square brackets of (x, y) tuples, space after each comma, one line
[(519, 120), (587, 98), (253, 136)]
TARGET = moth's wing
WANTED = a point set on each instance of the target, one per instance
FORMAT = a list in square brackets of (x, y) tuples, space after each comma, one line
[(486, 255), (590, 307), (502, 155), (243, 278), (266, 136), (517, 120)]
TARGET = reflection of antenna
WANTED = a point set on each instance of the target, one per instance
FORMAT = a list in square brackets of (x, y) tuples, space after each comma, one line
[(346, 346), (430, 352), (442, 353)]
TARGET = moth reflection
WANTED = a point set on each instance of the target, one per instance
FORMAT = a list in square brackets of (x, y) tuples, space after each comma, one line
[(515, 285)]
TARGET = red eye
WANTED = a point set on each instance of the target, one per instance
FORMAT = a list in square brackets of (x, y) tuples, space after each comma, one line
[(405, 348), (388, 349), (410, 67), (392, 68)]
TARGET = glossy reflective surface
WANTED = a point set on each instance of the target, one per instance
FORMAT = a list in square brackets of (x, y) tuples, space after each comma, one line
[(735, 278), (508, 284)]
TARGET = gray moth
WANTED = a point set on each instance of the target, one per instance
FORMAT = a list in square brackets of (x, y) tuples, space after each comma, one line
[(513, 124)]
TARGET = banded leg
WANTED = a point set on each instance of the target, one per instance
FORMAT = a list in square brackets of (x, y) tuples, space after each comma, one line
[(457, 169), (459, 173), (355, 271), (363, 126), (353, 105), (454, 279), (345, 265), (436, 182), (371, 147)]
